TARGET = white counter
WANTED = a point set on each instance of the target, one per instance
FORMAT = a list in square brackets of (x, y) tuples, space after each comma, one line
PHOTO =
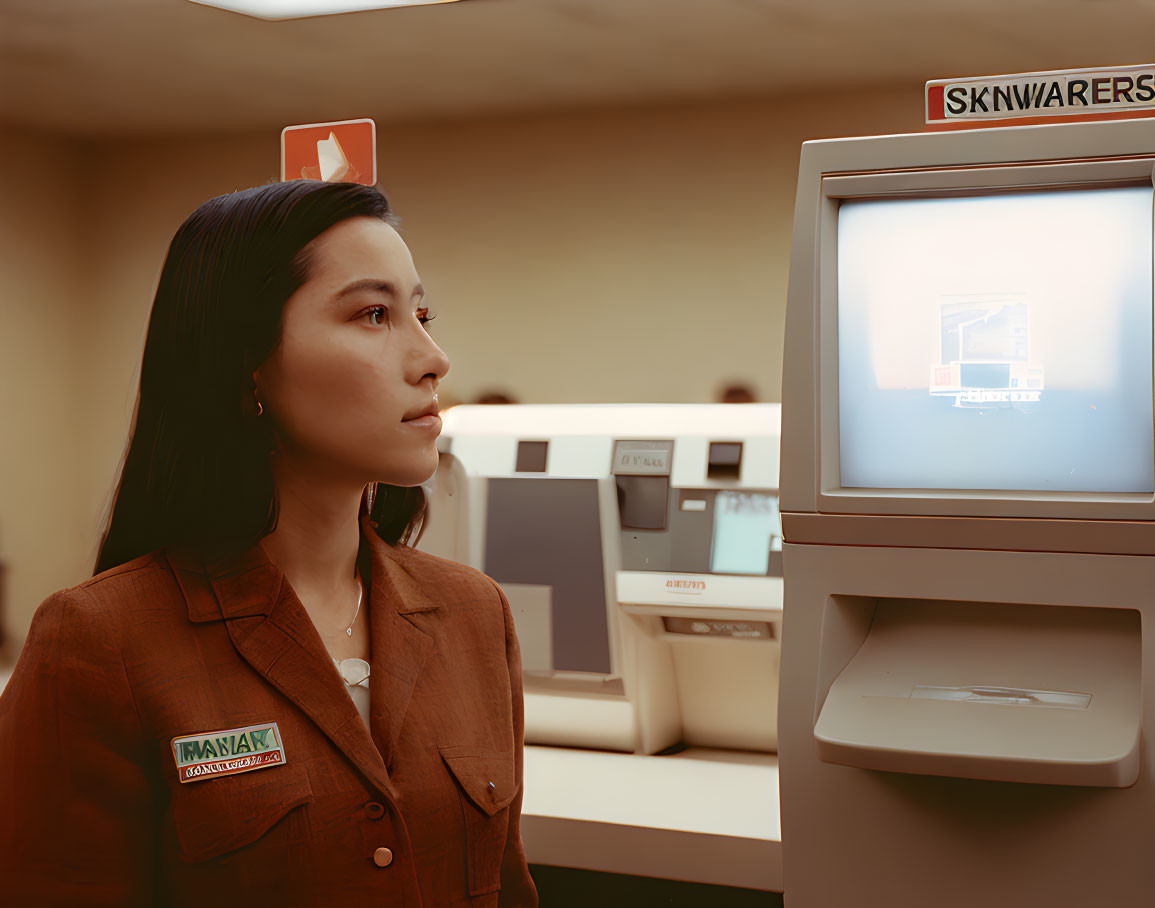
[(706, 816)]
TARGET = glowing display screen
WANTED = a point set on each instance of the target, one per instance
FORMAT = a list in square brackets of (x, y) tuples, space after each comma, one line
[(997, 342), (747, 527)]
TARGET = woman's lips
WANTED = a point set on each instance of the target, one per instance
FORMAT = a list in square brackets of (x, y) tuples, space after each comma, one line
[(424, 422)]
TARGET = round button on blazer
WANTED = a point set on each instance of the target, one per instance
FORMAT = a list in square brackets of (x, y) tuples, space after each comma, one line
[(178, 735)]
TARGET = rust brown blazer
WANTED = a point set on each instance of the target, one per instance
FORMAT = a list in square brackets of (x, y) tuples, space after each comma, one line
[(91, 808)]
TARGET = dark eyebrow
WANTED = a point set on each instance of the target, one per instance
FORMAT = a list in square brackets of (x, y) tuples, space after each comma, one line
[(372, 283)]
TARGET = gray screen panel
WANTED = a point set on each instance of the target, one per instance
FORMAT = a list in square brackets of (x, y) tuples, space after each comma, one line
[(548, 532)]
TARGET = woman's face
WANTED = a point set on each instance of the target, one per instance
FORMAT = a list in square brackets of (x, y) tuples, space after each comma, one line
[(355, 362)]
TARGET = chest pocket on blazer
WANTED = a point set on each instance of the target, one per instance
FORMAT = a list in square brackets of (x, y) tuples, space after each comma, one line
[(216, 816), (486, 780)]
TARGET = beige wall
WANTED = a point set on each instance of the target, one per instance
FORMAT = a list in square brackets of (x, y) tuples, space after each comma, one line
[(618, 256), (45, 522)]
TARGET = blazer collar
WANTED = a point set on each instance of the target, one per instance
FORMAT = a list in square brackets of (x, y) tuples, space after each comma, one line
[(251, 584), (272, 631)]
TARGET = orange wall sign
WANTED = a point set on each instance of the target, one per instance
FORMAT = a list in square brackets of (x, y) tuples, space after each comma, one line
[(344, 151)]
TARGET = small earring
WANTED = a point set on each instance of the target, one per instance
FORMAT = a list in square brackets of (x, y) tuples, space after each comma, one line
[(260, 409), (370, 494)]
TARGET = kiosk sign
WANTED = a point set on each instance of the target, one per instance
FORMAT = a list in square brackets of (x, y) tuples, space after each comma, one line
[(1084, 93), (344, 151)]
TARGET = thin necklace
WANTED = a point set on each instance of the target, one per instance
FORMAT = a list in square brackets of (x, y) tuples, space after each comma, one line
[(360, 592)]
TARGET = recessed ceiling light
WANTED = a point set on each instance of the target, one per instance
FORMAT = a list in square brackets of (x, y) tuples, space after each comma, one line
[(299, 9)]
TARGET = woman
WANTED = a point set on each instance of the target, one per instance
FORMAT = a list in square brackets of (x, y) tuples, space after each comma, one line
[(194, 725)]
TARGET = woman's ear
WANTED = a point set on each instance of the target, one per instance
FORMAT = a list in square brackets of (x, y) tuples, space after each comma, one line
[(257, 407)]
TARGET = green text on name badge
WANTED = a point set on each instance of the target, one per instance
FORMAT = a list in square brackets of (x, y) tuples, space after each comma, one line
[(224, 753)]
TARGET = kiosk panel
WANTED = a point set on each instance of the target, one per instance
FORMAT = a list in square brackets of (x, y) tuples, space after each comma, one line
[(969, 521)]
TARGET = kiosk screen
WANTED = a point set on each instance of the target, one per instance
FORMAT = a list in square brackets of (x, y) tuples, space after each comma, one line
[(747, 529), (997, 342)]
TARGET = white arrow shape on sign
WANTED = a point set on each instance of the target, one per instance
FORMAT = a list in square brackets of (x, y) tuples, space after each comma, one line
[(331, 158)]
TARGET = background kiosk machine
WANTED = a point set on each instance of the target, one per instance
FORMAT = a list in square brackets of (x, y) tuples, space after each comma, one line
[(968, 509), (640, 549)]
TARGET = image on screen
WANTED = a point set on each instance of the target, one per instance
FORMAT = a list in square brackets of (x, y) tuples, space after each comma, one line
[(997, 342), (984, 353), (747, 528)]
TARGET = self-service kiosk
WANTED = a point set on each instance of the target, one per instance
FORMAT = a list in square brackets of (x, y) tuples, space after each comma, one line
[(639, 547), (968, 511)]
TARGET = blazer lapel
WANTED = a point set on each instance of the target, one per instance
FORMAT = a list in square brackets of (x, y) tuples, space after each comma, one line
[(399, 647), (272, 631), (284, 647)]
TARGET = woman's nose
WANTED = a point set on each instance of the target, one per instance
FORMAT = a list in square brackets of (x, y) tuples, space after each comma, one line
[(433, 359)]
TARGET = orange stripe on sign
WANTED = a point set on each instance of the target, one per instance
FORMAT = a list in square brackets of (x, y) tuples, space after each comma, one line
[(934, 102)]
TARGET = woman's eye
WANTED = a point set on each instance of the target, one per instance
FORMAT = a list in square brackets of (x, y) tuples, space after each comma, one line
[(379, 316), (376, 315)]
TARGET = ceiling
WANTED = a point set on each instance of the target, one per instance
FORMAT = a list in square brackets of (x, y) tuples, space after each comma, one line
[(104, 68)]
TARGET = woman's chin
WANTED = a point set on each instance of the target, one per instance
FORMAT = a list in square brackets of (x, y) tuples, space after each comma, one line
[(413, 474)]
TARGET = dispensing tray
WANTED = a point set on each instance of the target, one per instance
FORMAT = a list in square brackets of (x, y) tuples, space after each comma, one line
[(1001, 691)]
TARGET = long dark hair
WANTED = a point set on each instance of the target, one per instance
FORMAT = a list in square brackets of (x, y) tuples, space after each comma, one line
[(196, 473)]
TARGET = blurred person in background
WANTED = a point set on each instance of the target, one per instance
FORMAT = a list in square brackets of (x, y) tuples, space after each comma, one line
[(495, 397), (737, 393), (265, 692)]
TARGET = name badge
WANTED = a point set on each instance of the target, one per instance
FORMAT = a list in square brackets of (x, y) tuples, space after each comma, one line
[(225, 753)]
